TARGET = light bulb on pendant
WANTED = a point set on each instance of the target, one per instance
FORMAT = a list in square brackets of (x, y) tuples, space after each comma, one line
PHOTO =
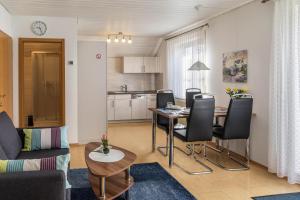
[(129, 40), (116, 39), (123, 39), (108, 39)]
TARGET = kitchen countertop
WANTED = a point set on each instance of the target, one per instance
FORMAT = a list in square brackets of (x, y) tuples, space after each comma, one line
[(132, 92)]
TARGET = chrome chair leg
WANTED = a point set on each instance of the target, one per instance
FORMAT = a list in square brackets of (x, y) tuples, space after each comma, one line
[(207, 170), (160, 148), (245, 165), (164, 150), (217, 143)]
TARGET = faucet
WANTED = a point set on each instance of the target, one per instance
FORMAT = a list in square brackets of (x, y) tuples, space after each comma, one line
[(124, 88)]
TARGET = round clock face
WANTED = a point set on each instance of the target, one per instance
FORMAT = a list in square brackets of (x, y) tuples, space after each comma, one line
[(39, 28)]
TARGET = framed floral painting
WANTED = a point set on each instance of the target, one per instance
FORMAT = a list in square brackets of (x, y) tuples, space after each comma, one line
[(235, 67)]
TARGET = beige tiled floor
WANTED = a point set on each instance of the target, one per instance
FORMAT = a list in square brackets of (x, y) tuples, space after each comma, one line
[(220, 185)]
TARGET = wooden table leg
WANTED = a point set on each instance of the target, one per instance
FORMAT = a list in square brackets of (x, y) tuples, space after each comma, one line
[(154, 132), (171, 142), (102, 188)]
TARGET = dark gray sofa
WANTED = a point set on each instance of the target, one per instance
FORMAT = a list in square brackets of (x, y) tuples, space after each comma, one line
[(35, 185)]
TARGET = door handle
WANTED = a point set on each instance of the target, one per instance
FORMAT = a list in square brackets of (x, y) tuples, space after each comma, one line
[(130, 103)]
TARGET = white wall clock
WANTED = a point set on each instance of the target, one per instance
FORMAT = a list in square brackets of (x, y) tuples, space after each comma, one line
[(39, 28)]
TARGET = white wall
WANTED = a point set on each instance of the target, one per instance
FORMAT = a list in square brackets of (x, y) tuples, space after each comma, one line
[(91, 91), (5, 21), (58, 27), (249, 27), (160, 79)]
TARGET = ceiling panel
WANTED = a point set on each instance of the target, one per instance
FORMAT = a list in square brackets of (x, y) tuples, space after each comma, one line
[(137, 17), (141, 46)]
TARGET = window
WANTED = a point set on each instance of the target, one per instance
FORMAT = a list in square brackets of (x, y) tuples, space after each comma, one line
[(183, 52)]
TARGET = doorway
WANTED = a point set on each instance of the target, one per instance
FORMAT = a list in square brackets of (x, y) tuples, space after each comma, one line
[(42, 82), (6, 75)]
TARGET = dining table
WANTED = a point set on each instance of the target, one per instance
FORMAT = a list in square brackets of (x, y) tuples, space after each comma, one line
[(171, 115)]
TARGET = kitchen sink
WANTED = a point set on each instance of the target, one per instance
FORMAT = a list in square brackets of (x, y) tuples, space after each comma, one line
[(119, 92), (132, 92)]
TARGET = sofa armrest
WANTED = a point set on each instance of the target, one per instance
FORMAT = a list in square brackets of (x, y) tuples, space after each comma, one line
[(46, 185)]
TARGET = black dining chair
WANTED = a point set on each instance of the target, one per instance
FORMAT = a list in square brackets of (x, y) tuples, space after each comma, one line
[(189, 96), (236, 126), (163, 97), (199, 129)]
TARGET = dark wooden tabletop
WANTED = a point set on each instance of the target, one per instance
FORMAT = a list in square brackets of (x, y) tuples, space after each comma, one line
[(102, 169)]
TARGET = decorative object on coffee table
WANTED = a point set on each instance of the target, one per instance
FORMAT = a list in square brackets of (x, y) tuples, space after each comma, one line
[(109, 179), (114, 155), (104, 141)]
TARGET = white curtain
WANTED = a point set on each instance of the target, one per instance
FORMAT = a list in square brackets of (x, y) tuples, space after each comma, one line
[(182, 52), (284, 131)]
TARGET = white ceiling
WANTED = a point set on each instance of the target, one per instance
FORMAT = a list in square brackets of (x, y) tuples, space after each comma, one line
[(136, 17), (141, 46), (141, 18)]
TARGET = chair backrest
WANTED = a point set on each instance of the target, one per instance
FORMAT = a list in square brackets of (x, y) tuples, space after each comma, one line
[(162, 98), (238, 120), (200, 122), (189, 96)]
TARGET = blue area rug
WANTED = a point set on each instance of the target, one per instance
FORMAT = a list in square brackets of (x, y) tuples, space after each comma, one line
[(152, 182), (290, 196)]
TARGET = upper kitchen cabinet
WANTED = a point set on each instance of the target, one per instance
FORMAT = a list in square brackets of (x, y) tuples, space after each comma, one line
[(133, 65), (150, 64), (141, 65)]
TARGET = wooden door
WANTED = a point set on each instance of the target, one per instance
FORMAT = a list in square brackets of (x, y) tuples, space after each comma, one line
[(6, 76), (41, 82)]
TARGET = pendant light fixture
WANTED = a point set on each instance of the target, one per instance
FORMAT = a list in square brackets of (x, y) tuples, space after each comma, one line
[(123, 39), (119, 37), (129, 40), (108, 39), (198, 65)]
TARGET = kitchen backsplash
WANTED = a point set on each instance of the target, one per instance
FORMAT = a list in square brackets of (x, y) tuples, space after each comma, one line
[(116, 78)]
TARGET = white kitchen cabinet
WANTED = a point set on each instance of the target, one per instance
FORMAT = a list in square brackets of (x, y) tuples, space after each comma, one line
[(122, 107), (141, 65), (130, 107), (111, 107), (139, 107), (150, 64), (133, 65), (151, 103)]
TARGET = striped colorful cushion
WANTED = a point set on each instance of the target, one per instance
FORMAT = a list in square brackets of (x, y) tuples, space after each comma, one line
[(52, 163), (47, 138)]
